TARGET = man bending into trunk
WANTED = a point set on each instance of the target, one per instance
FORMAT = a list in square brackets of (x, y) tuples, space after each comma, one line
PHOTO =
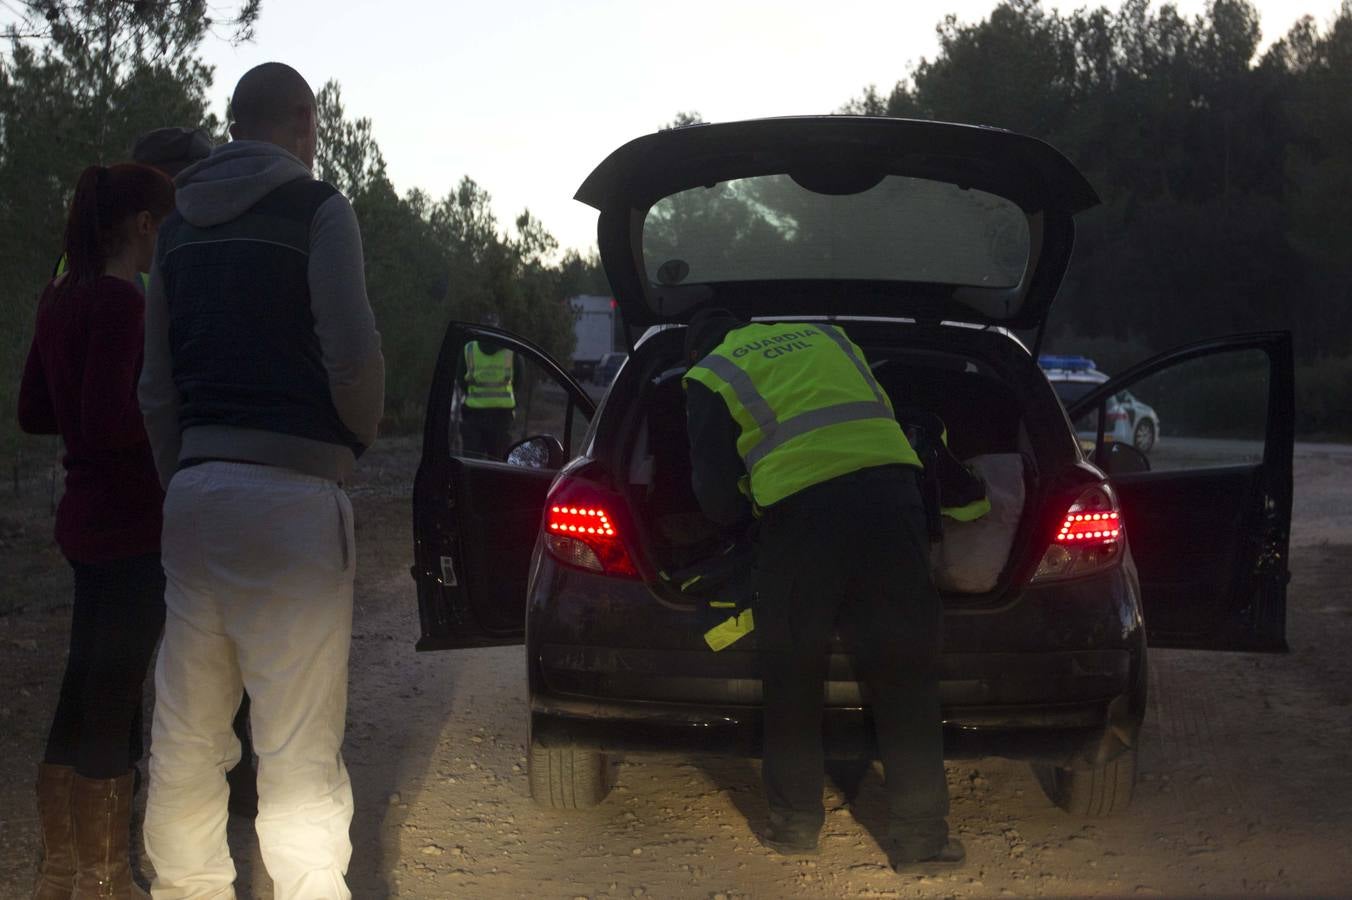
[(787, 420)]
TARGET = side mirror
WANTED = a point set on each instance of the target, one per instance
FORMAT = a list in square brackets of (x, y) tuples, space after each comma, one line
[(540, 451), (1124, 459)]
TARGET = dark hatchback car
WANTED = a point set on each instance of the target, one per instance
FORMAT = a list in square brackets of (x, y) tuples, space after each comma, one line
[(931, 244)]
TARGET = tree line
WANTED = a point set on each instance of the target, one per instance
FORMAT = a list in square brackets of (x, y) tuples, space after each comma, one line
[(1224, 173), (81, 79), (430, 261)]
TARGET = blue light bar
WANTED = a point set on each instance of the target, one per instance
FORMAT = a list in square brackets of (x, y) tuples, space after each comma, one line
[(1066, 363)]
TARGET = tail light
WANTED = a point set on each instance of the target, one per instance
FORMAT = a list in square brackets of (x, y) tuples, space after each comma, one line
[(1087, 539), (581, 528)]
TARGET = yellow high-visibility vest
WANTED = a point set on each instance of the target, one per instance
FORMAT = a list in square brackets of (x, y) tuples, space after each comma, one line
[(488, 378), (808, 407)]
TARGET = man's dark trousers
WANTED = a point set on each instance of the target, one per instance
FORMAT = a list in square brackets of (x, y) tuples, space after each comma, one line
[(485, 433), (852, 552)]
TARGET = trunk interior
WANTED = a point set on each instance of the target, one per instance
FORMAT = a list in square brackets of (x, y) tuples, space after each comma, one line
[(985, 424)]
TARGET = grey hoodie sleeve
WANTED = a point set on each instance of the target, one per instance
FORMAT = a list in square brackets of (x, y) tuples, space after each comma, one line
[(348, 340), (156, 391)]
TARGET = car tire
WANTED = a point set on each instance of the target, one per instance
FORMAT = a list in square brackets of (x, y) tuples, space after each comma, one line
[(1095, 793), (1144, 435), (567, 777)]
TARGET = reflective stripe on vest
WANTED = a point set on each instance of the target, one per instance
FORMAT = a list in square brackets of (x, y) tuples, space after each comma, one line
[(808, 407), (488, 378)]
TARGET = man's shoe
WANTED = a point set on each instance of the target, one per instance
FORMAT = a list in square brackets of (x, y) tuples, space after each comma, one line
[(952, 854), (786, 844)]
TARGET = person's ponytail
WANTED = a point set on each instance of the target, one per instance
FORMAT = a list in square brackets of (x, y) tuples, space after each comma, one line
[(84, 228), (105, 198)]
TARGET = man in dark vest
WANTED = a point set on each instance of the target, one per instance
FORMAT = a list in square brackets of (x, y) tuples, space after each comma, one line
[(787, 423), (263, 382)]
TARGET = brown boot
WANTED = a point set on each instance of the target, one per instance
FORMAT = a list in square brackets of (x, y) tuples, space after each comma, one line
[(101, 810), (56, 872)]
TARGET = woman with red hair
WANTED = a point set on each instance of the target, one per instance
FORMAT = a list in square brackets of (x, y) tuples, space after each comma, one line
[(80, 382)]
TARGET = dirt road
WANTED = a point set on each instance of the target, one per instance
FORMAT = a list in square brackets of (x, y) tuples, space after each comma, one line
[(1246, 768)]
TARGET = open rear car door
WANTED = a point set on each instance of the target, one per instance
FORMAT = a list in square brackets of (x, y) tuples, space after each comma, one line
[(481, 484), (1207, 508)]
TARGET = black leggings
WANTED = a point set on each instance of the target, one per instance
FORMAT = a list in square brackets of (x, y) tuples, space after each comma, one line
[(118, 617)]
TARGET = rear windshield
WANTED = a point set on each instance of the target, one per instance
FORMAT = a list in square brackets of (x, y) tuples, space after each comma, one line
[(901, 229)]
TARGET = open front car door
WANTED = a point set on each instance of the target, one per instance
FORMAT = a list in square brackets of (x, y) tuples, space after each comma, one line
[(502, 419), (1207, 507)]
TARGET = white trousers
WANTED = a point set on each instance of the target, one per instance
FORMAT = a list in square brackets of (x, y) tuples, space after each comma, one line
[(259, 564)]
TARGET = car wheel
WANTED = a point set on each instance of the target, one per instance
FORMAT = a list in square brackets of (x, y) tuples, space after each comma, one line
[(1094, 793), (567, 777), (1144, 436)]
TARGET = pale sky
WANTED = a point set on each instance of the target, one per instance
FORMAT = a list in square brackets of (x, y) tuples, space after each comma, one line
[(527, 97)]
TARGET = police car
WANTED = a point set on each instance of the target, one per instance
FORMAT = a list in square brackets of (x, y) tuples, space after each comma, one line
[(931, 245), (1126, 419)]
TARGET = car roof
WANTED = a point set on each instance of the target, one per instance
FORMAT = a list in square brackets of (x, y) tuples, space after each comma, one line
[(652, 330), (1092, 376)]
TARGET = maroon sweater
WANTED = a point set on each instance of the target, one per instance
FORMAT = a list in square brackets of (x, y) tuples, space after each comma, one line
[(80, 382)]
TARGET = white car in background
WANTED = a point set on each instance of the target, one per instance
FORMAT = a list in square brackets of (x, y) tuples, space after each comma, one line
[(1129, 420)]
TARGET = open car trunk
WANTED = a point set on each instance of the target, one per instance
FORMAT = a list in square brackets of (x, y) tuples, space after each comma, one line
[(985, 429)]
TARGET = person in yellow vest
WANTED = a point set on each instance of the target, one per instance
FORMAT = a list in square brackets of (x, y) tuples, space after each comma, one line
[(788, 424), (488, 382)]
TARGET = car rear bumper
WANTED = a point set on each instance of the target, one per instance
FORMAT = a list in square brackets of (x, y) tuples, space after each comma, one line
[(731, 678), (1055, 674), (1072, 735), (1065, 708)]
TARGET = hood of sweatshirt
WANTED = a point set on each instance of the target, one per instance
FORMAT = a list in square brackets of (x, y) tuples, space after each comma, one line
[(232, 179)]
